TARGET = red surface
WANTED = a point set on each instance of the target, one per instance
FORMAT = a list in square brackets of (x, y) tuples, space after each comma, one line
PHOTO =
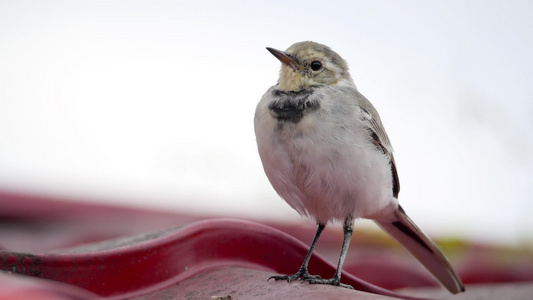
[(23, 287), (107, 251), (143, 264)]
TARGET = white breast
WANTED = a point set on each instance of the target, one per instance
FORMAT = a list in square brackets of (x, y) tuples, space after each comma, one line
[(324, 166)]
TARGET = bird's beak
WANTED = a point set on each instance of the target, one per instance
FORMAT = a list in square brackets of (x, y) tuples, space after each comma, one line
[(284, 58)]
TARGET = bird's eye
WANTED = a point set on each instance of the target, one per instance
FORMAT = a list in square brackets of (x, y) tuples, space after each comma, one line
[(316, 65)]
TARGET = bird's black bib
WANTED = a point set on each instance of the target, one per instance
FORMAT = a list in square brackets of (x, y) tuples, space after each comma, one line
[(292, 106)]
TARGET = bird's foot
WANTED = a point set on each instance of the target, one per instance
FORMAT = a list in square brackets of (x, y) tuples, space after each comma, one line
[(332, 281), (302, 275)]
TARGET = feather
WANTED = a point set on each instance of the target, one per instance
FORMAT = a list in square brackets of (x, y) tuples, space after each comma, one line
[(404, 230)]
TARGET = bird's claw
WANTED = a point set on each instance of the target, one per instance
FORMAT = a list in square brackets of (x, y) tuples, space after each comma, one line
[(302, 275), (332, 281)]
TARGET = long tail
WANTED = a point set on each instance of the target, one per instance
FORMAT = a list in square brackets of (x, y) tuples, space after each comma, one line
[(404, 230)]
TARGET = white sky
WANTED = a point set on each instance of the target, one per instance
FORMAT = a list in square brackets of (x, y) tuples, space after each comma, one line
[(151, 103)]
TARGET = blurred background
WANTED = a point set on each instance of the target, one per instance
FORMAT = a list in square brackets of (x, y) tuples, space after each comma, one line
[(151, 103)]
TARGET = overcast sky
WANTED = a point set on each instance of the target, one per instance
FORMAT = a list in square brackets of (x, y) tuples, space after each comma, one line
[(151, 103)]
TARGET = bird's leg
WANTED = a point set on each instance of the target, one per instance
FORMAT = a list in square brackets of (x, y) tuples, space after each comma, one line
[(303, 273), (336, 280)]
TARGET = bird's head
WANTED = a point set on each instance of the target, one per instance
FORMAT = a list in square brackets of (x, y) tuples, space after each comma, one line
[(308, 64)]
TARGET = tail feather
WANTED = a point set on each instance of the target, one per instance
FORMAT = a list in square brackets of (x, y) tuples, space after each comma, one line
[(404, 230)]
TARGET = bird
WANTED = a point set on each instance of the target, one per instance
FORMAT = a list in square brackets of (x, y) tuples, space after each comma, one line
[(325, 151)]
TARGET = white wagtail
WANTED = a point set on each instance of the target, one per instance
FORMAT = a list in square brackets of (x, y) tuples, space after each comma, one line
[(326, 153)]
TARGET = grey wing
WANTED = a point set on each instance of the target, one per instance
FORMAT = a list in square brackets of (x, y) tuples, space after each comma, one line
[(380, 139)]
